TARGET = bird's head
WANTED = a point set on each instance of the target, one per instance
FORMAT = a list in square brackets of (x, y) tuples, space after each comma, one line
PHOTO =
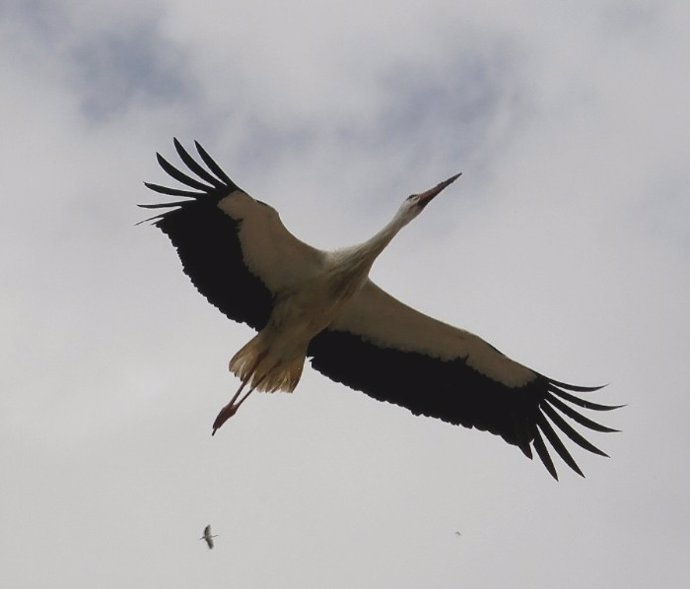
[(415, 203)]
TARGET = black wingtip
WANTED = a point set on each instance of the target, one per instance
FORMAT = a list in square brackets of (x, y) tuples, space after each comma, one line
[(585, 404), (577, 388), (557, 444), (569, 431), (163, 205), (174, 191), (543, 454), (181, 176), (197, 168), (526, 450), (578, 417), (555, 410), (213, 166)]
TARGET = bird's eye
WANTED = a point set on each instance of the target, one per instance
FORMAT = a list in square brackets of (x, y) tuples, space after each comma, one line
[(412, 197)]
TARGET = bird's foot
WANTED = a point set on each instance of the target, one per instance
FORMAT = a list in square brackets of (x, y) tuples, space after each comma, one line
[(225, 413), (231, 408)]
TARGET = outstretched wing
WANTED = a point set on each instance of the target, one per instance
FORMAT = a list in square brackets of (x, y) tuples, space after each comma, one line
[(234, 248), (208, 537), (393, 353)]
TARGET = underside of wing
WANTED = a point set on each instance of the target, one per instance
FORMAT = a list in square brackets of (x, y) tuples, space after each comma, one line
[(234, 248), (393, 353)]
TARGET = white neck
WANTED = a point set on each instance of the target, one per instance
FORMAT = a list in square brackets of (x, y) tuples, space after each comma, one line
[(378, 242), (364, 254)]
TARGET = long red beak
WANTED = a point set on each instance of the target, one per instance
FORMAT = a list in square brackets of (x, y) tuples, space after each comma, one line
[(426, 197)]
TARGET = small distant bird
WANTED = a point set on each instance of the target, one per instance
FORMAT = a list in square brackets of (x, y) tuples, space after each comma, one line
[(310, 303), (208, 536)]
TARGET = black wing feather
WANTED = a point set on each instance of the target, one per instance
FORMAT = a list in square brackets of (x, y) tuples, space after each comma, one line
[(181, 176), (543, 453), (214, 167), (172, 192), (552, 437), (581, 419), (197, 168), (207, 241), (453, 392), (581, 402), (568, 430)]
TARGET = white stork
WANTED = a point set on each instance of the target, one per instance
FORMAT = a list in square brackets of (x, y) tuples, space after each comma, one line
[(305, 302), (208, 536)]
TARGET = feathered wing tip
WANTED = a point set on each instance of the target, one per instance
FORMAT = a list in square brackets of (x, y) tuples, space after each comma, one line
[(211, 182), (556, 405)]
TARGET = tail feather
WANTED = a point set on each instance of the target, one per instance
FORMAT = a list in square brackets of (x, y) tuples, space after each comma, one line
[(255, 365)]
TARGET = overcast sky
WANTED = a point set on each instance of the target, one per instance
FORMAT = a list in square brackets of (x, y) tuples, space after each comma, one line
[(566, 244)]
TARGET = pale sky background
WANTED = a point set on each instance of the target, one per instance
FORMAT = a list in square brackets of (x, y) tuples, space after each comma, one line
[(565, 244)]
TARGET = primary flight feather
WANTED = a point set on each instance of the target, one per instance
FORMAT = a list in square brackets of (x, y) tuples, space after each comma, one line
[(309, 303)]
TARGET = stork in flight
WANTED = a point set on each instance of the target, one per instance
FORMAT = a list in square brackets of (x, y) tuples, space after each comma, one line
[(208, 536), (309, 303)]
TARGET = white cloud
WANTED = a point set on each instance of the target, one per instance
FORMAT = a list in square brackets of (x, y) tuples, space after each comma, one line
[(565, 244)]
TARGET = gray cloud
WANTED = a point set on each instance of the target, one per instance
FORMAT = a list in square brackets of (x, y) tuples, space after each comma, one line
[(111, 64), (114, 69)]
